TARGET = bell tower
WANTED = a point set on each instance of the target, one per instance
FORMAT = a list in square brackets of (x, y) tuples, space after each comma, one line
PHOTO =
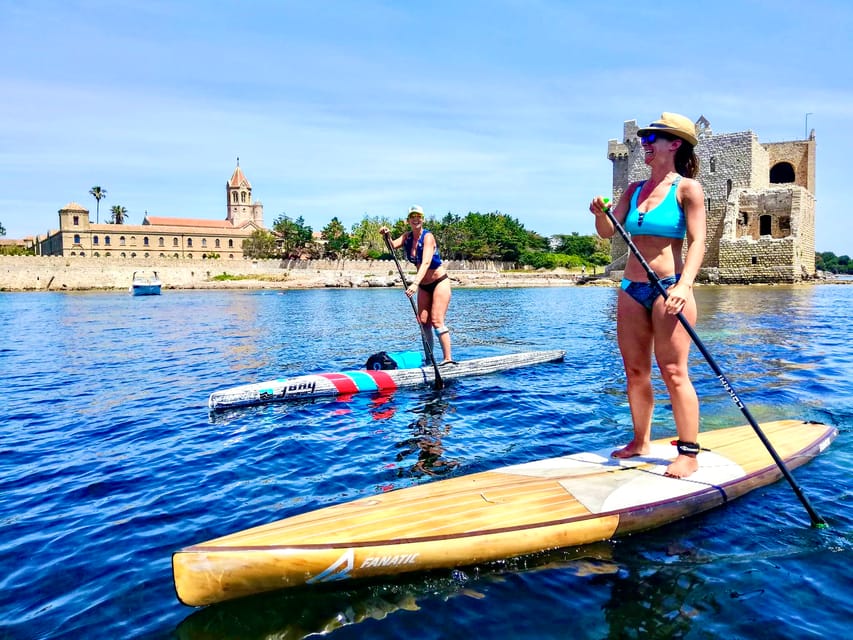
[(240, 208)]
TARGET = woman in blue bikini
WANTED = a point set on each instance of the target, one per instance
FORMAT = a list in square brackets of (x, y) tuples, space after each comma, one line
[(431, 282), (660, 213)]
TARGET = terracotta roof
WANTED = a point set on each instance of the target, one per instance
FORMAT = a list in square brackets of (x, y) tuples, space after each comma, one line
[(238, 179), (73, 206), (189, 222)]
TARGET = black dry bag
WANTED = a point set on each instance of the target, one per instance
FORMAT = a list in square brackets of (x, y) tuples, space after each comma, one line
[(379, 361)]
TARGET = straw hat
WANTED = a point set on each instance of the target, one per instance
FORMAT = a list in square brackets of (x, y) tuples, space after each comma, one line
[(416, 210), (673, 124)]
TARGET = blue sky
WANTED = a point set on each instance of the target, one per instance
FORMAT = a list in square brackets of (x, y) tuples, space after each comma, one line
[(366, 107)]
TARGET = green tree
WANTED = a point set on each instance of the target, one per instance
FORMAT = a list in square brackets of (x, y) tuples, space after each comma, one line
[(365, 239), (98, 194), (449, 234), (2, 229), (119, 214), (337, 239), (261, 244), (600, 259), (495, 236), (576, 245), (828, 261), (293, 235)]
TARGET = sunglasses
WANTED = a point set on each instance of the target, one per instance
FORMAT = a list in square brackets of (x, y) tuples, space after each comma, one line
[(651, 138)]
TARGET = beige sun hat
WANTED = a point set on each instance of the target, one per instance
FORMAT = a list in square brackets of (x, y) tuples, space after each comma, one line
[(416, 210), (673, 124)]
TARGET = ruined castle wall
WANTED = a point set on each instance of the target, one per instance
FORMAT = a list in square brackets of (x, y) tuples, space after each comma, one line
[(769, 236), (734, 170), (800, 155)]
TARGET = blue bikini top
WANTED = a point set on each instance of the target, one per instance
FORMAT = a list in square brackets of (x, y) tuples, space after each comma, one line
[(664, 221), (419, 252)]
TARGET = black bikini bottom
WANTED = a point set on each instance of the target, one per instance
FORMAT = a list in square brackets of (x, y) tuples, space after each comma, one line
[(430, 287)]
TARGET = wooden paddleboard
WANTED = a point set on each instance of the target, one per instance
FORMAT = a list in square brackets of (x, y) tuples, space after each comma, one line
[(511, 511), (358, 381)]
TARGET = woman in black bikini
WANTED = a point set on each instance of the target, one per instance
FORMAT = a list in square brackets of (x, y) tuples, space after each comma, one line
[(431, 282), (660, 213)]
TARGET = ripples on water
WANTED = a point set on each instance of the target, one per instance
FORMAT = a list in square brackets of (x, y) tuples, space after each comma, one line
[(109, 462)]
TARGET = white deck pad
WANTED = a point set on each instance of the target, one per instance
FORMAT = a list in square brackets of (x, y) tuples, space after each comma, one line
[(604, 484)]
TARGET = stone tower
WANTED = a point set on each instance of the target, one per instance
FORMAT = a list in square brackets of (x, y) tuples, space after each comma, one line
[(759, 202), (239, 203)]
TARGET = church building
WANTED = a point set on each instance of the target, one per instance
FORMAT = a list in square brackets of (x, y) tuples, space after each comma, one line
[(160, 237)]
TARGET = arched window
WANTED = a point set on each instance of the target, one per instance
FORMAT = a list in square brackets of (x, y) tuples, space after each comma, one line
[(782, 173), (107, 240), (145, 241), (234, 197), (189, 242), (242, 196), (121, 241), (216, 243), (95, 240), (174, 242), (76, 238), (204, 242), (132, 241), (230, 244), (161, 242), (713, 165)]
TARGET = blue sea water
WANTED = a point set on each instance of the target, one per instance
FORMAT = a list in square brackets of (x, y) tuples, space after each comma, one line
[(109, 462)]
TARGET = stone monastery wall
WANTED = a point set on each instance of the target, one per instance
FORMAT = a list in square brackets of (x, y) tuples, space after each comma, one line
[(58, 273)]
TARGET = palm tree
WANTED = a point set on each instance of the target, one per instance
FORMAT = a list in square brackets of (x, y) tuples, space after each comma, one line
[(119, 214), (97, 193)]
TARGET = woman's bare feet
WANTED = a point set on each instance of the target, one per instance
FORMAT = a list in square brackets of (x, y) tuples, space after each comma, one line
[(682, 467), (631, 450)]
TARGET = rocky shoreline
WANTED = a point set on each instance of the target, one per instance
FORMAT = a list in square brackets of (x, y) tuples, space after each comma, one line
[(459, 279), (56, 273)]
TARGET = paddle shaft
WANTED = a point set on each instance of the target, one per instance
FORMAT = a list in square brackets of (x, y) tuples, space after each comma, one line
[(653, 278), (439, 383)]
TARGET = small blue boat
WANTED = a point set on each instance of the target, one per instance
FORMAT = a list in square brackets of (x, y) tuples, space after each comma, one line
[(145, 284)]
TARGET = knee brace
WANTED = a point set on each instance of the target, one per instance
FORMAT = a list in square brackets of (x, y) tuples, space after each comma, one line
[(440, 331)]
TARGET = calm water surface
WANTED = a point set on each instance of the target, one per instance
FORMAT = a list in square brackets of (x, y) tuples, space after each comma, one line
[(109, 462)]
